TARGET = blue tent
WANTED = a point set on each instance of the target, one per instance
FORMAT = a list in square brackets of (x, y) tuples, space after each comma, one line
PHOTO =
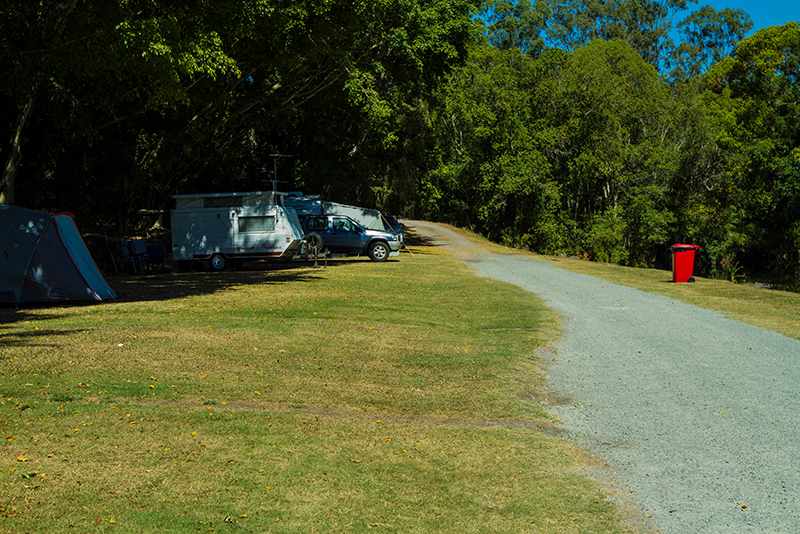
[(43, 259)]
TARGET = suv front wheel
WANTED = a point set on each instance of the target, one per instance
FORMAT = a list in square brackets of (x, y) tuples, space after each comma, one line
[(378, 251)]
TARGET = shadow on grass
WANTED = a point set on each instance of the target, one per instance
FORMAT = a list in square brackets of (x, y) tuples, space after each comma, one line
[(420, 242), (11, 315), (145, 288), (29, 338), (167, 286), (160, 287), (413, 239)]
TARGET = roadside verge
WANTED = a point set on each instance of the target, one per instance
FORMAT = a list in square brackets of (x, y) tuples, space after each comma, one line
[(772, 309)]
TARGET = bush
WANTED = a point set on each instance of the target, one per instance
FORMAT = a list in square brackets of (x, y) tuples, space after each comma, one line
[(605, 241)]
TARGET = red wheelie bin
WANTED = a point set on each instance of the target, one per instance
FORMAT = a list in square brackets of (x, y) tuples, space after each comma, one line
[(683, 256)]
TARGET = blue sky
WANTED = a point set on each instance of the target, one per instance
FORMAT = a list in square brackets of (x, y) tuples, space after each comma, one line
[(764, 12)]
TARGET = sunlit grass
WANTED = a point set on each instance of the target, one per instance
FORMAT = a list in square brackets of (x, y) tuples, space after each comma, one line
[(401, 397)]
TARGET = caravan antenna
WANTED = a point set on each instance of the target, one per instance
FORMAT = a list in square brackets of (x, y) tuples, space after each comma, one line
[(275, 158)]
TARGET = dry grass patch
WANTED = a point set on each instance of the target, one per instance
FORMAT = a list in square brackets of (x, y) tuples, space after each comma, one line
[(401, 397)]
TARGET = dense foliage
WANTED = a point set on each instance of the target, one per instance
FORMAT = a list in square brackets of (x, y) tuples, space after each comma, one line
[(606, 129), (110, 106)]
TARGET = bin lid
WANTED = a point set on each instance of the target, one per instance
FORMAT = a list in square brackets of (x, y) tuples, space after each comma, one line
[(677, 247)]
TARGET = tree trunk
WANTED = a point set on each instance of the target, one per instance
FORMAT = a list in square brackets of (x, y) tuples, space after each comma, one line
[(8, 182)]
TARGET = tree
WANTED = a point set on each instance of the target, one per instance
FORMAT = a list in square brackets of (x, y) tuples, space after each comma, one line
[(489, 171), (649, 26), (757, 90), (644, 24), (138, 99), (708, 36), (537, 152), (82, 68), (515, 24)]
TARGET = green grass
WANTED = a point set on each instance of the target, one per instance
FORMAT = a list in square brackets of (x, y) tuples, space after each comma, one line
[(402, 397), (768, 308)]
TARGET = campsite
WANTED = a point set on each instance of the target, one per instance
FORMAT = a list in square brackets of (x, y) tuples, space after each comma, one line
[(466, 266), (296, 399)]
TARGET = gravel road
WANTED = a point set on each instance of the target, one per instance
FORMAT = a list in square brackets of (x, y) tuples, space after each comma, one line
[(697, 415)]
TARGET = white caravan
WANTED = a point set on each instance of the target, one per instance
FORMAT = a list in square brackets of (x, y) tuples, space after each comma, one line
[(222, 227)]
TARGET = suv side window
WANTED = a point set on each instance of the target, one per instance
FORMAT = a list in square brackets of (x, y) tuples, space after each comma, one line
[(315, 224), (343, 225)]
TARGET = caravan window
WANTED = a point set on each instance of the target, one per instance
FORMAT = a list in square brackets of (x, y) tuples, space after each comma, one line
[(253, 225)]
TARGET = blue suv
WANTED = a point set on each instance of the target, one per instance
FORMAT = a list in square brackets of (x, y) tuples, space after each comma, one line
[(341, 234)]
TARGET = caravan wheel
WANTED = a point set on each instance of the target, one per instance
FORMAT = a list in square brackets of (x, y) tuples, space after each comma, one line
[(217, 262)]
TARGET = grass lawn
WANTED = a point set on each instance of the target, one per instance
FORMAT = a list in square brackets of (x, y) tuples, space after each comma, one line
[(401, 397), (767, 308)]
